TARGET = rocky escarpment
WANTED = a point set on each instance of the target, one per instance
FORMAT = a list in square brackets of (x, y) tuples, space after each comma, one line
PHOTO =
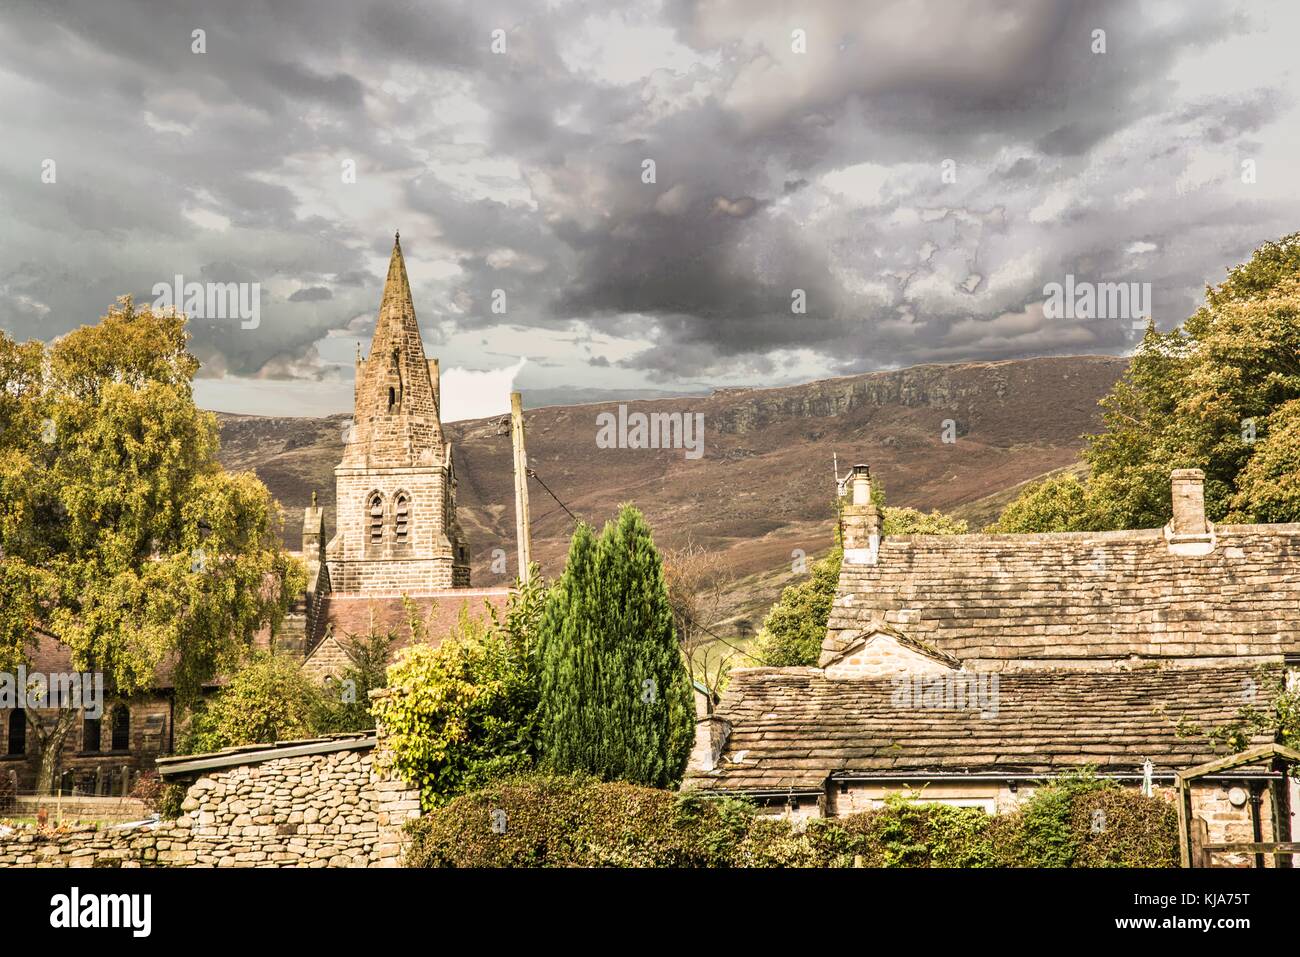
[(936, 436)]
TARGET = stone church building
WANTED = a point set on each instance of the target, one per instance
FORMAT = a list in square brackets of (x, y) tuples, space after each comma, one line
[(398, 548)]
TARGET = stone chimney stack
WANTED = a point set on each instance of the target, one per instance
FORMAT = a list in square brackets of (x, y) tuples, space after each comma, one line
[(1189, 502), (859, 521), (1188, 533)]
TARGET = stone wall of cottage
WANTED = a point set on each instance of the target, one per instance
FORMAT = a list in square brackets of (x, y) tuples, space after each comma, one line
[(854, 797), (322, 810), (1228, 824), (328, 659)]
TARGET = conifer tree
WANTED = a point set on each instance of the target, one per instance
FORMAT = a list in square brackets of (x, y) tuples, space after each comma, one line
[(566, 671), (648, 694), (616, 698)]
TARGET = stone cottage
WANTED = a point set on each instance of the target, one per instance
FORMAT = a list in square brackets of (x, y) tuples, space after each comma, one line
[(971, 666)]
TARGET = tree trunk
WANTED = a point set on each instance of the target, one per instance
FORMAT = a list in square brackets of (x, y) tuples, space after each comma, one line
[(50, 732)]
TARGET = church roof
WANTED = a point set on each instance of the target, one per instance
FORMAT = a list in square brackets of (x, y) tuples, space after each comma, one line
[(1085, 597), (438, 611), (794, 727)]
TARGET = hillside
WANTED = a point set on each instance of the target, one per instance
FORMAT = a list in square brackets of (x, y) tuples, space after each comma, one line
[(763, 487)]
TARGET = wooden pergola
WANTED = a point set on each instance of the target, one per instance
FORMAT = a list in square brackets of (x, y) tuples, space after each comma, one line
[(1194, 849)]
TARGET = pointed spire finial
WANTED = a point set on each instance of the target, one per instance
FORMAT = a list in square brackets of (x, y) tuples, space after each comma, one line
[(397, 237), (313, 498)]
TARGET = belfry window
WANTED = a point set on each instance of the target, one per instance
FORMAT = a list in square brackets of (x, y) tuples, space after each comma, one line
[(392, 399), (402, 519), (375, 518)]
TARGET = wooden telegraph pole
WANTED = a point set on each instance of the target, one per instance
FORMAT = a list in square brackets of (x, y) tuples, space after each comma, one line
[(523, 527)]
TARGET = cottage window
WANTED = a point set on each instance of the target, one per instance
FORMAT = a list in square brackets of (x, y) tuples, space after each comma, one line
[(402, 519), (121, 728), (375, 516), (91, 734), (18, 732)]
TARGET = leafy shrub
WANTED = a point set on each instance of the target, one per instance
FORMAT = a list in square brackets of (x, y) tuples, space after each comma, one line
[(345, 703), (1079, 820), (272, 699), (793, 630), (1047, 836), (1135, 831), (462, 713), (557, 821), (1056, 504), (561, 821)]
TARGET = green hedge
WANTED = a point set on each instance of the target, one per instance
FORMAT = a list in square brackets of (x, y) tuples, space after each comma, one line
[(552, 821)]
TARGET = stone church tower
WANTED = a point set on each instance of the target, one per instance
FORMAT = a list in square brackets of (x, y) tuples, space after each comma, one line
[(396, 486)]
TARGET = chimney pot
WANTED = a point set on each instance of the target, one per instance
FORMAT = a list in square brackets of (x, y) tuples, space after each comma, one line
[(861, 484)]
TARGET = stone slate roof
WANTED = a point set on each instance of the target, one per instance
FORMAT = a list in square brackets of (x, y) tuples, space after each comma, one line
[(793, 727), (987, 599)]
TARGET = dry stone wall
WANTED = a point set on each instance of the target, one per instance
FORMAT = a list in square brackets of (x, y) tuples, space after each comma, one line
[(318, 810)]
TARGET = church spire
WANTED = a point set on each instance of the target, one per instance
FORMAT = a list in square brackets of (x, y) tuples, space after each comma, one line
[(396, 302), (396, 414)]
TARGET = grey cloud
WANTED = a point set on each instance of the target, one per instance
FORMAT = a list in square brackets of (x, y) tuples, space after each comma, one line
[(311, 294), (522, 172)]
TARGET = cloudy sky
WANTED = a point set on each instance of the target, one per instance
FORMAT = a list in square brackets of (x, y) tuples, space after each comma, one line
[(920, 169)]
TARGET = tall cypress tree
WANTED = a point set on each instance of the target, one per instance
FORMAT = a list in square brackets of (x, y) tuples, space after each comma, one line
[(616, 696), (566, 672)]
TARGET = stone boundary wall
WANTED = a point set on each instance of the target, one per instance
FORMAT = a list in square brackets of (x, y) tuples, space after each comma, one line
[(81, 808), (319, 810)]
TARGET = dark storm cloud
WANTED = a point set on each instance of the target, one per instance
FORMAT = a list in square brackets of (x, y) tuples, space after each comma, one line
[(522, 171)]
